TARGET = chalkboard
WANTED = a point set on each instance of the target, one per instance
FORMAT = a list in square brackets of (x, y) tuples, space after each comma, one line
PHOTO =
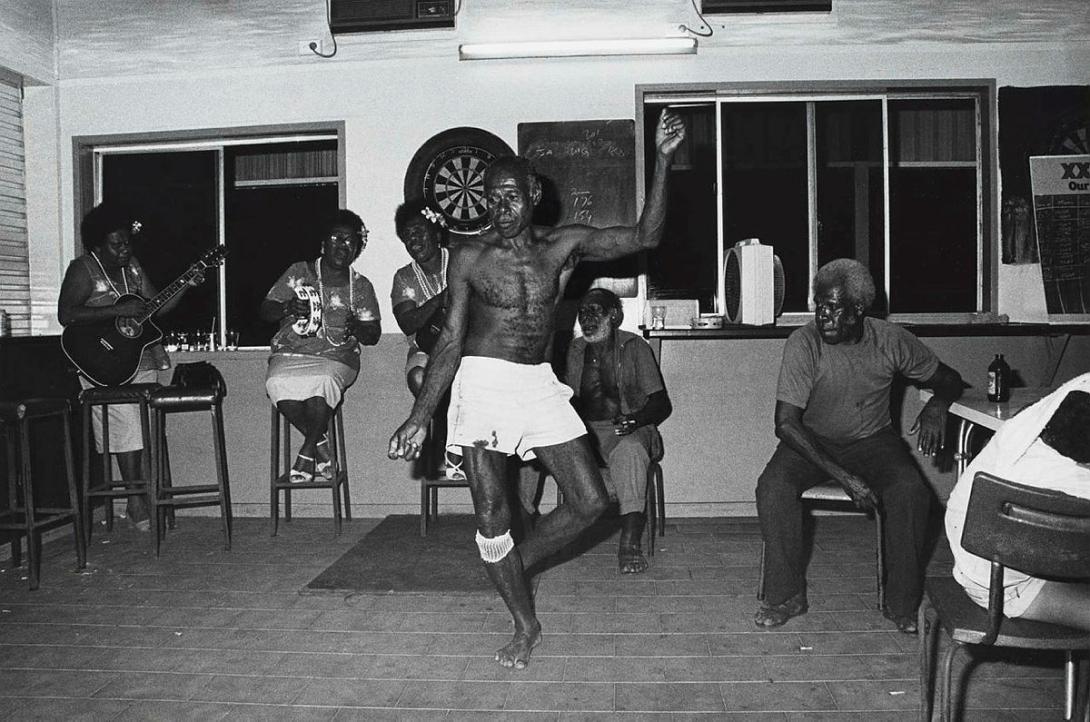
[(588, 175)]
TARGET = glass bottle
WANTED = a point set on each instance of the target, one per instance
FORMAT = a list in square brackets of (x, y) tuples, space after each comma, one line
[(999, 378)]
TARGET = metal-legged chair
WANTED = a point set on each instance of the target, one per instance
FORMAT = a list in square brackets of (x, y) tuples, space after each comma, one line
[(830, 492)]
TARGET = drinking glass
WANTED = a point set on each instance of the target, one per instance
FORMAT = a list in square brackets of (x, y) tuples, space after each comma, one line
[(658, 317), (232, 340)]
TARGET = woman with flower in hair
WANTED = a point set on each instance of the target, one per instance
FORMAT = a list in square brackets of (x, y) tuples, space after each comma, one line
[(92, 284), (310, 369), (419, 293)]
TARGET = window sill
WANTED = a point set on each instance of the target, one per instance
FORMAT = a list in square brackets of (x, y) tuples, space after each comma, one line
[(924, 330)]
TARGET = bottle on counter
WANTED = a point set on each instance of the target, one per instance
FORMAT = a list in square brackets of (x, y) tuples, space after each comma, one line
[(999, 380)]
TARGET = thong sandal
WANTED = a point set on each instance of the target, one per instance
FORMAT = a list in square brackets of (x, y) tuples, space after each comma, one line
[(776, 615), (301, 476)]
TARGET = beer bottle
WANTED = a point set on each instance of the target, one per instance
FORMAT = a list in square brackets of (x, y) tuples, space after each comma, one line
[(999, 379)]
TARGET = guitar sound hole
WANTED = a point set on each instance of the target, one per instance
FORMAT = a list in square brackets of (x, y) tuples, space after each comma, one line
[(128, 327)]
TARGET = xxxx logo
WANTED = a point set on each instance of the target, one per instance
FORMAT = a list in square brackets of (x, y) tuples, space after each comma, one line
[(1075, 171)]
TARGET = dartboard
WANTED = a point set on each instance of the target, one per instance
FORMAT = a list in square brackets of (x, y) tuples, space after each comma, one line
[(448, 172)]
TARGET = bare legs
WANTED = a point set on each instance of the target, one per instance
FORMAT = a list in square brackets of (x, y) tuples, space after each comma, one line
[(129, 464), (572, 465), (311, 417)]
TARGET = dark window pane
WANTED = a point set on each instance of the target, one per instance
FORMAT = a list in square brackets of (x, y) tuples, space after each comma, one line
[(933, 238), (765, 186), (686, 264), (933, 205), (268, 229), (849, 185), (174, 196)]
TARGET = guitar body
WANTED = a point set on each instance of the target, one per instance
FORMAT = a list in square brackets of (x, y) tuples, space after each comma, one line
[(109, 353)]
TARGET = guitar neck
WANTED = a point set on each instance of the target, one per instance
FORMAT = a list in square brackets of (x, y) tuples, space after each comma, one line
[(168, 293)]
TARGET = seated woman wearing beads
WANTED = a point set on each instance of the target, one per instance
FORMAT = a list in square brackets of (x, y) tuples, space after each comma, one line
[(419, 298), (309, 372)]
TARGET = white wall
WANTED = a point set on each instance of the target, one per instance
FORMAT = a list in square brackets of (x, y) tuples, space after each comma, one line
[(126, 66)]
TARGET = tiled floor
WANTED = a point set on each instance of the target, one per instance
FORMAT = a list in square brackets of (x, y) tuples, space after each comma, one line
[(207, 634)]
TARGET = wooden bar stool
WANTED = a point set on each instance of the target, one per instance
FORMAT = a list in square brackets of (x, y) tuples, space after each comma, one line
[(104, 397), (23, 514), (184, 398), (280, 469)]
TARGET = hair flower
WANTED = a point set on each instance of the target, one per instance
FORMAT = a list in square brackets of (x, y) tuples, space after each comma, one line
[(433, 217), (136, 226)]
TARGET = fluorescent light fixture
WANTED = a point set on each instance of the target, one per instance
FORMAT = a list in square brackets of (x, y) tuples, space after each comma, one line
[(577, 48)]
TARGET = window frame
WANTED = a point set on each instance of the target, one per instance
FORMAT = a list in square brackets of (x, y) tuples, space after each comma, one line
[(88, 151), (982, 90)]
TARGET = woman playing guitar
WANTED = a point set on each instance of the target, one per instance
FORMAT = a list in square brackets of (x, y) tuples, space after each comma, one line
[(419, 294), (93, 282)]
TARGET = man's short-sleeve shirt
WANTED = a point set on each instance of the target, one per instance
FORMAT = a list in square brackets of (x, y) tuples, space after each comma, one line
[(639, 375), (844, 388)]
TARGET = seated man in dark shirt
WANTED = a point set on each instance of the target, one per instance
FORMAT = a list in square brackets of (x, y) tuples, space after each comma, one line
[(620, 395), (833, 422)]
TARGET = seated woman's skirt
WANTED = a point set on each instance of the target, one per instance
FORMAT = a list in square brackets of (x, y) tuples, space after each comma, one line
[(298, 377)]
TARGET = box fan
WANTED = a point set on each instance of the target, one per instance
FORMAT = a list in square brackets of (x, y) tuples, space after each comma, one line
[(753, 284)]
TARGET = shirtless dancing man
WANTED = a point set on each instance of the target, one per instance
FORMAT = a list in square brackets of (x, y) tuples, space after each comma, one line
[(503, 288)]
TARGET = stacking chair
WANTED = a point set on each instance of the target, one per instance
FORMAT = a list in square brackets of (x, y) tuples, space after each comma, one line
[(280, 464), (830, 492), (432, 481), (1042, 533), (23, 515), (111, 488), (654, 499), (204, 395)]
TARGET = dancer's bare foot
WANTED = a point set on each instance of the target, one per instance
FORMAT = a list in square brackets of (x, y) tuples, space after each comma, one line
[(516, 653)]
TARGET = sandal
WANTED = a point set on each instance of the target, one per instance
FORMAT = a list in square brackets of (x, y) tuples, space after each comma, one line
[(324, 469), (301, 475), (631, 560), (453, 469), (776, 615)]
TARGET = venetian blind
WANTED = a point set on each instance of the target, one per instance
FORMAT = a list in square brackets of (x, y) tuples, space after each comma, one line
[(14, 252)]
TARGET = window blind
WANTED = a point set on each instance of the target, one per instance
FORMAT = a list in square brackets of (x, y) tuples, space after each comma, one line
[(14, 251)]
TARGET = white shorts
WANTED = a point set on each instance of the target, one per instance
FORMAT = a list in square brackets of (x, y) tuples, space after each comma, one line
[(298, 377), (510, 408)]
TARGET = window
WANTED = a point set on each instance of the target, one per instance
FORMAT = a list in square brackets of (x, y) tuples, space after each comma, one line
[(14, 253), (263, 197), (897, 178)]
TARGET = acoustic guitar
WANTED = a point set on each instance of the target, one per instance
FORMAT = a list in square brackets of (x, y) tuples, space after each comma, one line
[(108, 353)]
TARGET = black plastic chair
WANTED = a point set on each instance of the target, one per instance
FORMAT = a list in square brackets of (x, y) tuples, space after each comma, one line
[(1042, 533)]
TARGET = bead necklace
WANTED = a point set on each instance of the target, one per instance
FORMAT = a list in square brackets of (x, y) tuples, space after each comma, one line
[(351, 304), (124, 276), (425, 283)]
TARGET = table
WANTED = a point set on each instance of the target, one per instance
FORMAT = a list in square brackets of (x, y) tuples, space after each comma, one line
[(974, 411)]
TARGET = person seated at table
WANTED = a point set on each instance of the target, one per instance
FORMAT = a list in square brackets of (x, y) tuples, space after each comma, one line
[(92, 285), (419, 299), (620, 395), (1046, 446), (309, 372), (833, 421)]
